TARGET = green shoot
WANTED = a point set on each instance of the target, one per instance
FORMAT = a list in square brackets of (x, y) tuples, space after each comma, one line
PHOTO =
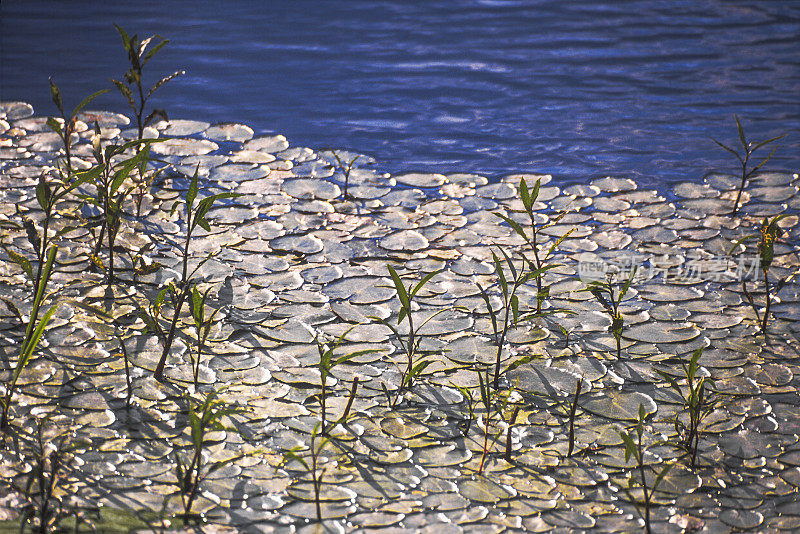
[(33, 331), (109, 176), (317, 475), (327, 361), (195, 216), (572, 409), (769, 232), (202, 327), (635, 449), (748, 148), (66, 128), (138, 56), (410, 342), (345, 167), (699, 401), (205, 415), (610, 298)]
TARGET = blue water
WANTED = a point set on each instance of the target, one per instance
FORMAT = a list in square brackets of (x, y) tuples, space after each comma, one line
[(577, 88)]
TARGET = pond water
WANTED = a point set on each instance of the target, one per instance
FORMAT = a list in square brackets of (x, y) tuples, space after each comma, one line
[(578, 89)]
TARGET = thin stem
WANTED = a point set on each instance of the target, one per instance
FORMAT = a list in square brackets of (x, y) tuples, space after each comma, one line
[(768, 302), (572, 410), (741, 186)]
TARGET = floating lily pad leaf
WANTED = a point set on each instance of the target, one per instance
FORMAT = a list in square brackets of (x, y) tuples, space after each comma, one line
[(15, 110), (619, 405), (613, 239), (402, 428), (184, 147), (106, 119), (738, 385), (773, 374), (360, 290), (613, 185), (741, 519), (322, 275), (252, 156), (304, 491), (572, 519), (290, 332), (610, 204), (299, 244), (181, 128), (311, 189), (237, 172), (228, 131), (484, 490), (662, 332), (272, 144), (498, 191), (404, 240), (471, 349), (421, 179), (550, 381), (375, 520), (714, 320)]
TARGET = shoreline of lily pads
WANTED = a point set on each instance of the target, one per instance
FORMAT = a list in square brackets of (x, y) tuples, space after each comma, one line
[(290, 262)]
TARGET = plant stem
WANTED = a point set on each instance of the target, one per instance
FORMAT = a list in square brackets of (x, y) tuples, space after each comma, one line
[(741, 186), (572, 410), (768, 302)]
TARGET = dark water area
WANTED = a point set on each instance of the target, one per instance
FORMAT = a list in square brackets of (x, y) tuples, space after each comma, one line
[(578, 89)]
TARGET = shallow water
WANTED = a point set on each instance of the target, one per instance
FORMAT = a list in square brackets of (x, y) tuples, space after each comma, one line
[(578, 89)]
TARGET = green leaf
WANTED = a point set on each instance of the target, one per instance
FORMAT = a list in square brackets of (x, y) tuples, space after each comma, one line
[(164, 80), (492, 315), (501, 275), (558, 242), (630, 446), (43, 193), (400, 288), (54, 125), (191, 194), (514, 226), (126, 41), (535, 192), (85, 102), (511, 266), (520, 361), (153, 51), (627, 284), (741, 134), (765, 160), (661, 475), (422, 282), (30, 346), (526, 197), (20, 260), (729, 149), (768, 141), (126, 92), (55, 94)]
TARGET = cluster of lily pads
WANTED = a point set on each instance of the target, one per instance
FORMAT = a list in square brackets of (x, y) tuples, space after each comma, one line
[(204, 326)]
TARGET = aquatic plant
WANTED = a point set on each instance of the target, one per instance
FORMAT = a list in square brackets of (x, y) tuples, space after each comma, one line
[(509, 306), (572, 410), (195, 216), (48, 454), (109, 177), (66, 128), (34, 328), (205, 415), (327, 362), (202, 326), (138, 57), (317, 475), (769, 232), (540, 263), (495, 403), (700, 399), (610, 298), (345, 167), (748, 148), (409, 343), (634, 448)]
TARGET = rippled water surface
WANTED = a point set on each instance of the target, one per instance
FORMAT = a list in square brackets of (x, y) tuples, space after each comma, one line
[(578, 89)]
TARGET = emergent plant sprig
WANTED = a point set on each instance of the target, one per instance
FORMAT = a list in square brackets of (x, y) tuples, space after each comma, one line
[(744, 158)]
